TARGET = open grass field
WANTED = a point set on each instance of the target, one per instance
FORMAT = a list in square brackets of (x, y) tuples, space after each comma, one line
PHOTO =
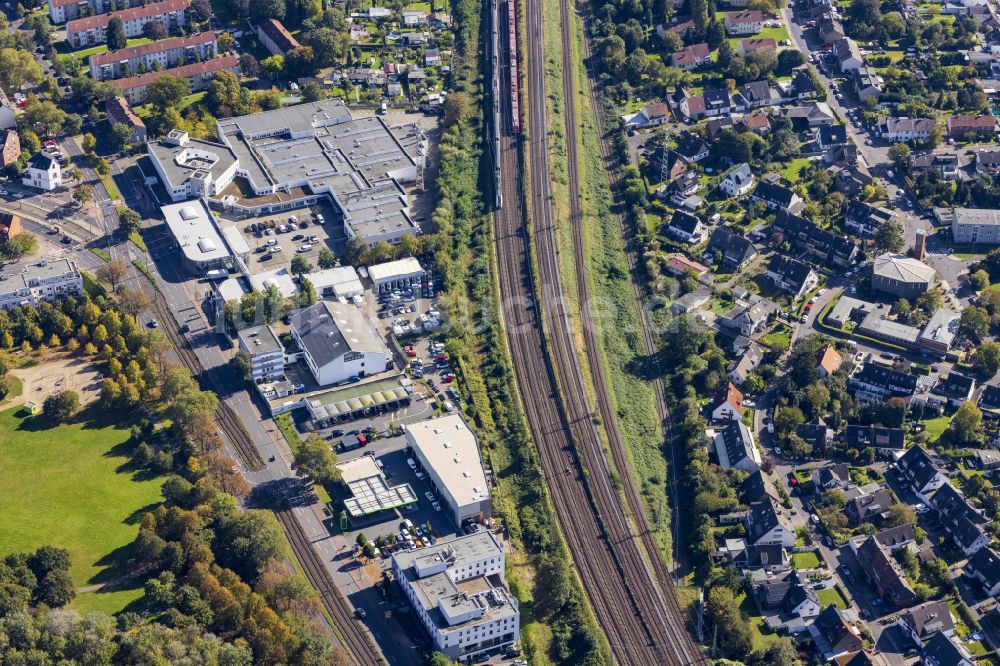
[(94, 50), (934, 427), (68, 486), (831, 595), (791, 172), (805, 560)]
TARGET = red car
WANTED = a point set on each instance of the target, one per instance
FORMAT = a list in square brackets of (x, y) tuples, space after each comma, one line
[(448, 379), (410, 353), (408, 347), (809, 306), (440, 357)]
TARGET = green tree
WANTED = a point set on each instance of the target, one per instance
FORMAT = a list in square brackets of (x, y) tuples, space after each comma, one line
[(89, 143), (315, 459), (60, 407), (889, 237), (307, 293), (966, 421), (129, 221), (167, 90), (121, 136), (899, 153), (987, 359), (18, 246), (83, 193), (272, 303), (273, 67), (153, 30), (901, 514), (326, 258), (313, 92), (300, 265), (17, 67), (979, 280), (787, 420), (116, 34), (242, 364)]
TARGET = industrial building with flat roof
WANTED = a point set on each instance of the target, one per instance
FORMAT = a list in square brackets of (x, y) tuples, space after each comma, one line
[(449, 452), (338, 342), (458, 591), (197, 235), (190, 168), (295, 156), (393, 274), (44, 281), (356, 400), (369, 491)]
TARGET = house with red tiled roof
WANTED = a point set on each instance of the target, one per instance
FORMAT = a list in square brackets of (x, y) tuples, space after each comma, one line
[(91, 30), (165, 53), (693, 56), (744, 23), (748, 46), (275, 37), (982, 127), (197, 74), (828, 361), (757, 121), (678, 264), (728, 404)]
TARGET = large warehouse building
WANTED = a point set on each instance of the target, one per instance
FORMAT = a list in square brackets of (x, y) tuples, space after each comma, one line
[(339, 342), (298, 155), (448, 451)]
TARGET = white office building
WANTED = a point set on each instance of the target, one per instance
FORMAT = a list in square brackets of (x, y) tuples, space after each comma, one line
[(458, 591), (194, 230), (267, 355), (338, 342), (448, 451), (44, 281)]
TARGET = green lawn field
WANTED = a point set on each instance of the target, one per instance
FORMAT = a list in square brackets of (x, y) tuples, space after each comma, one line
[(68, 486)]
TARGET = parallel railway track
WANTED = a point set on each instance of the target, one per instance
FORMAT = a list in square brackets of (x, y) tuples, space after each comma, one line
[(225, 417), (352, 635), (642, 620)]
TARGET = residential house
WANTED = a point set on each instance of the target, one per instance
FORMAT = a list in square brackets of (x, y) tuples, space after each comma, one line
[(684, 185), (736, 449), (829, 136), (810, 116), (768, 559), (757, 487), (987, 162), (923, 472), (692, 57), (727, 406), (955, 389), (829, 477), (685, 227), (989, 401), (906, 129), (863, 436), (982, 128), (867, 83), (275, 37), (432, 58), (986, 459), (691, 301), (153, 56), (743, 23), (680, 265), (736, 250), (865, 219), (849, 179), (672, 165), (738, 181), (803, 84), (10, 148), (120, 113), (747, 319), (920, 623), (984, 569), (829, 29), (939, 334), (962, 521), (414, 17), (757, 94), (10, 226), (823, 244), (741, 368), (869, 506), (786, 593), (692, 147), (828, 361), (653, 114), (758, 121), (717, 102), (777, 197), (748, 46), (768, 523), (42, 171), (848, 55), (873, 382), (792, 275), (833, 635), (716, 125), (897, 537), (818, 435), (882, 572), (942, 650)]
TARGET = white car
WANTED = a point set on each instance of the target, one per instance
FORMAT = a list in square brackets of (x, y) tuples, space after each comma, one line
[(276, 248), (436, 505), (412, 463), (305, 248), (821, 292), (429, 495)]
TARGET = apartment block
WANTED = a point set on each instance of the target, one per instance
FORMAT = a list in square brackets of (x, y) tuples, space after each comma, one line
[(61, 11), (92, 30), (164, 54), (44, 281), (198, 74)]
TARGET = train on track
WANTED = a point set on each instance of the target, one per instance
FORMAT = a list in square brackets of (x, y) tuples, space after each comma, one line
[(503, 53), (515, 114)]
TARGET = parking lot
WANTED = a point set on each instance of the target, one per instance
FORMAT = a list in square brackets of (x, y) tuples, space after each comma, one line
[(275, 239)]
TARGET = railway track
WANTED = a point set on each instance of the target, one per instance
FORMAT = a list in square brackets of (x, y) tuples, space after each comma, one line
[(351, 634), (640, 617), (651, 348), (225, 418)]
